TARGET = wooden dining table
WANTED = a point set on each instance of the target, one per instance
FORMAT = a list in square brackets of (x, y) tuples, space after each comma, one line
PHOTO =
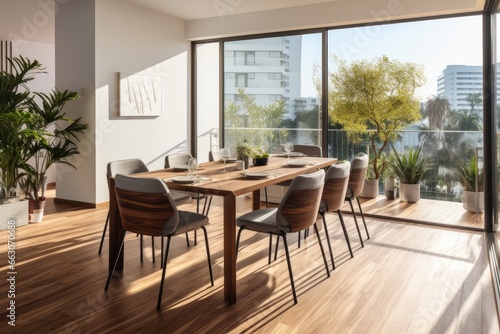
[(212, 181)]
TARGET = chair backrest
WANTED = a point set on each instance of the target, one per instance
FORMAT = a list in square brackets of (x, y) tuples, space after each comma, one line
[(177, 159), (214, 155), (127, 166), (336, 180), (299, 207), (359, 166), (309, 150), (146, 206)]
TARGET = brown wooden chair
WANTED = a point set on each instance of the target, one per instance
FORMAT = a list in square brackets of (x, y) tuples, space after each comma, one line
[(334, 192), (132, 166), (297, 211), (359, 166), (147, 208)]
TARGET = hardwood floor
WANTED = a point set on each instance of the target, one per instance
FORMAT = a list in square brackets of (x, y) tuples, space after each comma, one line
[(407, 279)]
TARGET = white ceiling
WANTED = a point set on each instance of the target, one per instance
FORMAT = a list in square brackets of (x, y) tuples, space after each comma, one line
[(200, 9)]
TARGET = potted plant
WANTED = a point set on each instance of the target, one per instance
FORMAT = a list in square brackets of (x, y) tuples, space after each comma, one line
[(15, 134), (244, 152), (471, 178), (35, 132), (260, 157), (409, 168)]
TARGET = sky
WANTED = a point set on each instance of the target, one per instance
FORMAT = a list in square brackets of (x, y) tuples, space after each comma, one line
[(432, 43)]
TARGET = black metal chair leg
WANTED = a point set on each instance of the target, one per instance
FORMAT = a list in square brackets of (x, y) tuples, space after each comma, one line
[(187, 239), (141, 243), (276, 249), (363, 217), (341, 217), (270, 247), (208, 206), (158, 306), (298, 233), (208, 255), (289, 269), (356, 222), (161, 255), (153, 248), (327, 239), (238, 240), (322, 249), (267, 201), (104, 233), (116, 262)]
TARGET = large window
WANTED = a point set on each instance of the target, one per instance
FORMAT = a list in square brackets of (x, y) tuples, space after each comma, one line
[(447, 105), (275, 96)]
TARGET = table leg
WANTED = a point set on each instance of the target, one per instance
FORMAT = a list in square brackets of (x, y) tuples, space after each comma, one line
[(230, 248), (256, 199), (115, 229)]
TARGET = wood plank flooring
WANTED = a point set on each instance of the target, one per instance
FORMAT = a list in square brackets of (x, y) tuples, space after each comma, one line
[(407, 279)]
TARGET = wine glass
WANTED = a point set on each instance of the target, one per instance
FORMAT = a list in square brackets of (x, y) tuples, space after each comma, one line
[(192, 167), (225, 155), (288, 148)]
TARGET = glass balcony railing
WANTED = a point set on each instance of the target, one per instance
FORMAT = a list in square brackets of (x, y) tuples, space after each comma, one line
[(443, 147)]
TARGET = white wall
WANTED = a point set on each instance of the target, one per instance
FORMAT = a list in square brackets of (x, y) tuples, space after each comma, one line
[(128, 39)]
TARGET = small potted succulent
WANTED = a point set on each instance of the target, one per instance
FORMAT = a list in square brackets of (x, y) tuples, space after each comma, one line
[(244, 152), (260, 157)]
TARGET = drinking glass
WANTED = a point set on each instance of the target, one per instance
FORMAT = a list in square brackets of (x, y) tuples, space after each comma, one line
[(192, 168), (225, 155), (288, 148)]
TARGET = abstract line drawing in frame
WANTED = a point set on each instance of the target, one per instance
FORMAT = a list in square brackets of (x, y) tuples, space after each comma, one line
[(140, 95)]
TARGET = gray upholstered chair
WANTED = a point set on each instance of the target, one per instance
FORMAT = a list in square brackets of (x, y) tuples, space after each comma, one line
[(359, 166), (180, 159), (298, 210), (132, 166), (147, 208), (334, 192)]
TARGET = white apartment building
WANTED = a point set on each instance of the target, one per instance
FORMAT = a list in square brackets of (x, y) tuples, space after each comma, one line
[(457, 82), (267, 69)]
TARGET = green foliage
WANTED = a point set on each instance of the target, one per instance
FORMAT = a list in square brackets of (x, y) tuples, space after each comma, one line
[(253, 123), (375, 99), (468, 174), (243, 150), (33, 126), (410, 166)]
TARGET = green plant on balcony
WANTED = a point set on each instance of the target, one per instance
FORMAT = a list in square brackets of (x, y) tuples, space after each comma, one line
[(374, 100), (471, 177)]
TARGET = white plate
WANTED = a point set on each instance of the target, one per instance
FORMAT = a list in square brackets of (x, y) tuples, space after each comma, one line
[(296, 163), (181, 168), (292, 154), (183, 179), (257, 175)]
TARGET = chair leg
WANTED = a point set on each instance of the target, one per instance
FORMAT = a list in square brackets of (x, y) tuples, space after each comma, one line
[(363, 217), (267, 201), (208, 206), (158, 306), (289, 268), (322, 249), (161, 254), (153, 248), (341, 218), (327, 239), (116, 262), (208, 255), (298, 237), (187, 239), (270, 248), (141, 244), (276, 249), (356, 221), (238, 240), (104, 233)]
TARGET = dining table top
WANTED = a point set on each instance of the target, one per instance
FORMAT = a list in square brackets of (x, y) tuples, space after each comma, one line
[(211, 179)]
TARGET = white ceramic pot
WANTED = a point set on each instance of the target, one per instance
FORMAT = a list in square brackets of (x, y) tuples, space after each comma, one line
[(370, 188), (409, 192), (473, 201)]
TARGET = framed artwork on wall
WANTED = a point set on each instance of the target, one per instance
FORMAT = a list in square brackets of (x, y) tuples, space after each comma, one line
[(140, 95)]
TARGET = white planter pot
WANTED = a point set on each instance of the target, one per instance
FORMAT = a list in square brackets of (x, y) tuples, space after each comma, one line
[(370, 188), (473, 201), (14, 210), (409, 192)]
